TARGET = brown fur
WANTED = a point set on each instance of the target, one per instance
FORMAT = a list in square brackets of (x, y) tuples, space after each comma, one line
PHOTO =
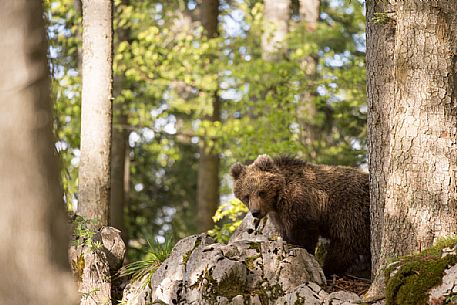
[(306, 201)]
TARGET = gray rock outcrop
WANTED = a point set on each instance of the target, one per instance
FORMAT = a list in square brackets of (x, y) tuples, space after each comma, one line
[(447, 289), (253, 268), (93, 266)]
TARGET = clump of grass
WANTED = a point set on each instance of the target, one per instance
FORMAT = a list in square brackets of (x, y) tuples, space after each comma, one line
[(143, 269)]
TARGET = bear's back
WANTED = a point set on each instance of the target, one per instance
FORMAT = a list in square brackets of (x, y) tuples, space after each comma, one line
[(323, 177)]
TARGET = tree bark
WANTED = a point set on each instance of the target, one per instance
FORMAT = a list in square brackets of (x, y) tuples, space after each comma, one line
[(119, 170), (276, 27), (77, 4), (416, 122), (34, 238), (96, 111), (306, 110), (309, 13), (380, 90), (208, 167), (120, 148)]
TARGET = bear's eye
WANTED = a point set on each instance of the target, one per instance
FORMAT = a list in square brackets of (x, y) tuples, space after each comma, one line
[(262, 194), (246, 199)]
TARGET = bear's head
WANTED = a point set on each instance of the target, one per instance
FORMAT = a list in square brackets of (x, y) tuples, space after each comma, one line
[(258, 185)]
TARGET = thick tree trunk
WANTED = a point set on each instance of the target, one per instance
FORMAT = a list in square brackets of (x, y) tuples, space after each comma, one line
[(208, 167), (380, 87), (418, 126), (34, 236), (276, 27), (96, 111), (421, 197)]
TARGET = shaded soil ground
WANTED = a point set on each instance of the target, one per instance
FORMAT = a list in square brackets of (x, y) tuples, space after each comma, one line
[(348, 283)]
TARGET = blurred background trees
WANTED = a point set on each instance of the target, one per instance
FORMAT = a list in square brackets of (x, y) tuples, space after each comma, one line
[(181, 93)]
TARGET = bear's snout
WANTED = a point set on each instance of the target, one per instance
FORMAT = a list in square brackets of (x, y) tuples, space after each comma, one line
[(255, 213)]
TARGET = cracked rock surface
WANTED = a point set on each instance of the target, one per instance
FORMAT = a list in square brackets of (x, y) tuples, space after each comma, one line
[(251, 269), (447, 288)]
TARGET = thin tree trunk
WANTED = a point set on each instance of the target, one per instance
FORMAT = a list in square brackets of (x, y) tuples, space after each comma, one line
[(119, 153), (307, 112), (309, 13), (276, 27), (420, 196), (119, 177), (96, 111), (77, 4), (208, 167), (34, 236)]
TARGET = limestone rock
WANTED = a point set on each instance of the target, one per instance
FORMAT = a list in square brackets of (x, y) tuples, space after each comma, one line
[(256, 230), (200, 271), (255, 267), (93, 267), (113, 246), (447, 287), (138, 292), (342, 298), (307, 294)]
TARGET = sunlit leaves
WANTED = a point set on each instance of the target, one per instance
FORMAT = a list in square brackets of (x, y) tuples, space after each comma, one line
[(167, 75)]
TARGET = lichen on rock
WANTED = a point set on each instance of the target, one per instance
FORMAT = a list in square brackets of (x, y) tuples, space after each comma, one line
[(252, 268)]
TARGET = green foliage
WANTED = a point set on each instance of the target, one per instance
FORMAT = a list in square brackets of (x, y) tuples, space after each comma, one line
[(228, 218), (144, 269), (417, 274), (382, 18), (269, 105), (83, 235), (64, 29), (166, 76)]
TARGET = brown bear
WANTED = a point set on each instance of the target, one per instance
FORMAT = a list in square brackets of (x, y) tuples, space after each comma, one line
[(307, 201)]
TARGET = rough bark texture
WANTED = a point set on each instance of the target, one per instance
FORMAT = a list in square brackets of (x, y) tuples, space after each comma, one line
[(276, 26), (421, 197), (208, 167), (34, 236), (417, 123), (96, 110), (380, 89)]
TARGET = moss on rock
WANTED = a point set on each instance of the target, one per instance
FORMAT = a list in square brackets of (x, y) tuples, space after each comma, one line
[(409, 278), (186, 256), (255, 245)]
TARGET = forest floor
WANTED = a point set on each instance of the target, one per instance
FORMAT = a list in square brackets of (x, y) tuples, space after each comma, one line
[(348, 283)]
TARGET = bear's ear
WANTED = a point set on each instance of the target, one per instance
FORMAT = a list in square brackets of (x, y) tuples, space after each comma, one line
[(265, 163), (236, 170)]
